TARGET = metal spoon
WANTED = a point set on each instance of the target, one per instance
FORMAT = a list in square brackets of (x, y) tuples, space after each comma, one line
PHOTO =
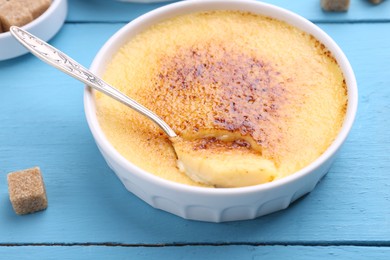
[(59, 60)]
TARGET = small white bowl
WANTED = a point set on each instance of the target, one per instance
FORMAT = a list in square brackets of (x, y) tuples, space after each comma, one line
[(224, 204), (45, 27)]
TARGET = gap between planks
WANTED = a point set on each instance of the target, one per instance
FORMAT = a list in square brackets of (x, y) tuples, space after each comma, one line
[(307, 244)]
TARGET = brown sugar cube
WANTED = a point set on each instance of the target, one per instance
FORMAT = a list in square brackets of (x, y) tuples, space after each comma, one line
[(36, 7), (335, 5), (27, 191), (14, 13), (1, 3)]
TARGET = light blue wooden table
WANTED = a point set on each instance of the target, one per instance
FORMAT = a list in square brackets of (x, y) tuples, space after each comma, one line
[(92, 216)]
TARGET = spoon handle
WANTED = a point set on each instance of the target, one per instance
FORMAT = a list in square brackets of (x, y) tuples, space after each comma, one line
[(59, 60)]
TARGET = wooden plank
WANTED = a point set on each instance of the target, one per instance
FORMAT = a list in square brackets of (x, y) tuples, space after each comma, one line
[(194, 252), (42, 123), (116, 11)]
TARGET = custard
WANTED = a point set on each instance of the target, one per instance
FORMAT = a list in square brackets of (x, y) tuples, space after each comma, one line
[(241, 90)]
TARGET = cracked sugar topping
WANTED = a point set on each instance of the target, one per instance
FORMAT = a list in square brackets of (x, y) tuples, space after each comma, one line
[(224, 79), (215, 87)]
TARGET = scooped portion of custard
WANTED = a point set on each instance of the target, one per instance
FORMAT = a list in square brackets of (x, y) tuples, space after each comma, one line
[(252, 99), (222, 163)]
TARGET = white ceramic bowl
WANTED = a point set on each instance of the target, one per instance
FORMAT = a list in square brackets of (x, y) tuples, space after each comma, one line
[(227, 204), (45, 27)]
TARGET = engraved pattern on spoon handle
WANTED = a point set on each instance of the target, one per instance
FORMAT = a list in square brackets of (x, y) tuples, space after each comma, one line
[(61, 61)]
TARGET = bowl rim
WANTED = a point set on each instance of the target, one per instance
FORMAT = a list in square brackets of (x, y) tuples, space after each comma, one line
[(164, 11), (53, 6)]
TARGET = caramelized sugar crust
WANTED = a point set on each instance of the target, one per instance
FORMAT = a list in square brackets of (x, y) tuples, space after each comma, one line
[(219, 90), (222, 79)]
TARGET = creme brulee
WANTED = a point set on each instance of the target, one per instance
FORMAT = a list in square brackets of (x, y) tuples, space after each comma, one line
[(239, 88)]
